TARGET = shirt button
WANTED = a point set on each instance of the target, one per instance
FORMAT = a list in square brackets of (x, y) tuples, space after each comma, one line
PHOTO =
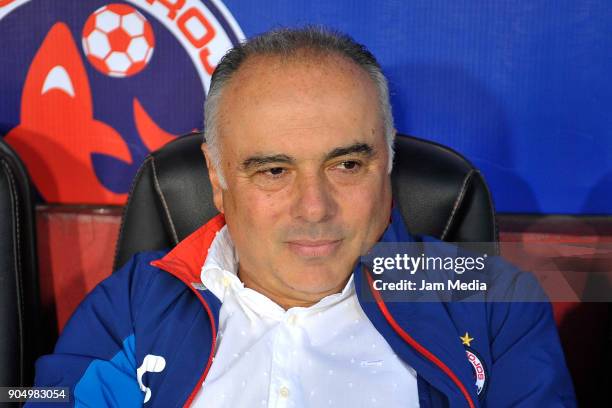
[(292, 320), (284, 392), (226, 282)]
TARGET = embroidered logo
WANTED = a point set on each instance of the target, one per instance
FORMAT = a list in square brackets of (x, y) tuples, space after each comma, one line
[(150, 364), (478, 368), (466, 339)]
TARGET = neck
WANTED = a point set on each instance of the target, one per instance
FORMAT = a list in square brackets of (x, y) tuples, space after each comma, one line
[(290, 298)]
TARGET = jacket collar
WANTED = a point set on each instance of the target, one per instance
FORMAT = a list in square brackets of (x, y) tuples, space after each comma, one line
[(186, 259)]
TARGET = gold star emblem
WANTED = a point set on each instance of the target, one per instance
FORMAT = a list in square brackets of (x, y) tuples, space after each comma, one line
[(466, 340)]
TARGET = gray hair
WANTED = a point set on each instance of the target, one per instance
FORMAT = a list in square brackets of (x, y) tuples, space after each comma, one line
[(287, 43)]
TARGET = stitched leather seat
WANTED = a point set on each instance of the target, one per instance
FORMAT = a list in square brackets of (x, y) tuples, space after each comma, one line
[(438, 191), (18, 273)]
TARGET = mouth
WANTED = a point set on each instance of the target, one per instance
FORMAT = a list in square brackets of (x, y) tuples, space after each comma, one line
[(314, 248)]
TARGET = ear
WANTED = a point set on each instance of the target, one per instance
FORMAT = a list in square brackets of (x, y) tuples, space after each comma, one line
[(214, 179)]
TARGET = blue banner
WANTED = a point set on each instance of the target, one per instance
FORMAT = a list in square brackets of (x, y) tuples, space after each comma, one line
[(522, 89)]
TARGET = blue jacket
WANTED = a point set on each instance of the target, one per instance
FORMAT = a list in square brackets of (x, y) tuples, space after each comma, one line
[(156, 306)]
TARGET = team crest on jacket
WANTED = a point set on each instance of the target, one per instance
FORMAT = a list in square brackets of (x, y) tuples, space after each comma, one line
[(91, 87), (479, 370)]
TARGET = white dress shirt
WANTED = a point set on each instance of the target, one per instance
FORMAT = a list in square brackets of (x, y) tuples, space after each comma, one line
[(325, 355)]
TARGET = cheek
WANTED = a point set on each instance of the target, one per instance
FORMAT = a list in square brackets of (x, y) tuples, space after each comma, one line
[(366, 208), (365, 198), (265, 204), (258, 220), (254, 211)]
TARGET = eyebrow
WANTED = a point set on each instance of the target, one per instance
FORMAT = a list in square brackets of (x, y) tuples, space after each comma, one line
[(255, 161), (362, 149)]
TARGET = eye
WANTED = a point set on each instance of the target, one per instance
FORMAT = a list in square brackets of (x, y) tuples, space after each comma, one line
[(272, 178), (349, 165), (271, 173), (274, 171)]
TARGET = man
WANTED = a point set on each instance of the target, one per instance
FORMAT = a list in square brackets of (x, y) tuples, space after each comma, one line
[(261, 307)]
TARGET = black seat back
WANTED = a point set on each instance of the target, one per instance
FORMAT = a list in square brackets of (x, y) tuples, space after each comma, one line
[(19, 296)]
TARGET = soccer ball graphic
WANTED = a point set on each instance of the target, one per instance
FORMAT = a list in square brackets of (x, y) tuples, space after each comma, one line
[(118, 40)]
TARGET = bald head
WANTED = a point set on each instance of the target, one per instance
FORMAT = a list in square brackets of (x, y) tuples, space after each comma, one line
[(244, 66)]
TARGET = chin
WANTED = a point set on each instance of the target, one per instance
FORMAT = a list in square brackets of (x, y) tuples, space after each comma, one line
[(321, 279)]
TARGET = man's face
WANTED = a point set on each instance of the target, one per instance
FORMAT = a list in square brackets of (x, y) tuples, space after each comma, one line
[(305, 162)]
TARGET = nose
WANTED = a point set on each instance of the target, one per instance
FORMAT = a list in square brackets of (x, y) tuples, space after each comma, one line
[(314, 201)]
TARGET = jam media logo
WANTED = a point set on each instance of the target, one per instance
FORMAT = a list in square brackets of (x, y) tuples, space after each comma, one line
[(93, 86)]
